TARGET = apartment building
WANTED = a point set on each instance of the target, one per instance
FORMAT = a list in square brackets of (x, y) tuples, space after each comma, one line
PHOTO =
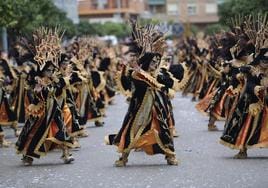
[(110, 10), (198, 12)]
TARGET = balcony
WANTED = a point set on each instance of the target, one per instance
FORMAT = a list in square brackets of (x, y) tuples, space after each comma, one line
[(88, 8), (92, 9), (89, 11), (156, 2)]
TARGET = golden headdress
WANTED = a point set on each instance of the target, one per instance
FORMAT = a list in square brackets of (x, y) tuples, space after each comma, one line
[(47, 44), (148, 38), (85, 48), (256, 28)]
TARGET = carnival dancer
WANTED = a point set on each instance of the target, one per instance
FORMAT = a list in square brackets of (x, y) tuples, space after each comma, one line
[(146, 124), (220, 104), (108, 92), (66, 101), (24, 65), (44, 128), (84, 95), (214, 76), (8, 116), (247, 127)]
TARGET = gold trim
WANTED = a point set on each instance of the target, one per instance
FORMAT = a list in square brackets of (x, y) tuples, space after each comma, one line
[(171, 93), (75, 134), (147, 78), (56, 141), (20, 95), (214, 71), (259, 145), (102, 84), (41, 141), (67, 82), (134, 124), (219, 118), (255, 108), (161, 145), (232, 146), (95, 119), (133, 140)]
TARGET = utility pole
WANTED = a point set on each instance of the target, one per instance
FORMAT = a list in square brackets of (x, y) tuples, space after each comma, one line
[(4, 40)]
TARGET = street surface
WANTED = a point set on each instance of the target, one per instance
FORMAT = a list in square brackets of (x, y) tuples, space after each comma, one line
[(204, 163)]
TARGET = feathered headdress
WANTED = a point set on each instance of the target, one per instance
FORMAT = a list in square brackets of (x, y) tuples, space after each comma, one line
[(83, 47), (148, 38), (47, 45), (256, 28)]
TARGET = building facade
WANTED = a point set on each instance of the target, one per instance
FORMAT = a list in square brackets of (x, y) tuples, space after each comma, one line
[(110, 10), (199, 12)]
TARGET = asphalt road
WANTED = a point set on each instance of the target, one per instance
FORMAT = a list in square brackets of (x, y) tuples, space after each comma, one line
[(204, 162)]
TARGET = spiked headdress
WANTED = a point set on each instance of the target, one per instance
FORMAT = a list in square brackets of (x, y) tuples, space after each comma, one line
[(45, 45), (48, 46), (257, 30), (148, 39)]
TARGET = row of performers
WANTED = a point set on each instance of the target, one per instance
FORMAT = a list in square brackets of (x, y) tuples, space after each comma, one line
[(228, 74), (229, 77), (54, 94), (58, 93)]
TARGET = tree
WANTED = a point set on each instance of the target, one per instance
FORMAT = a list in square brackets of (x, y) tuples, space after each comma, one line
[(85, 28), (232, 8), (21, 17), (215, 28), (118, 29), (149, 21)]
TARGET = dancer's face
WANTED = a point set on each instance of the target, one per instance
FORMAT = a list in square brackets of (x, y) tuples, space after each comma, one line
[(131, 57), (154, 63), (49, 71), (226, 69), (264, 61)]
